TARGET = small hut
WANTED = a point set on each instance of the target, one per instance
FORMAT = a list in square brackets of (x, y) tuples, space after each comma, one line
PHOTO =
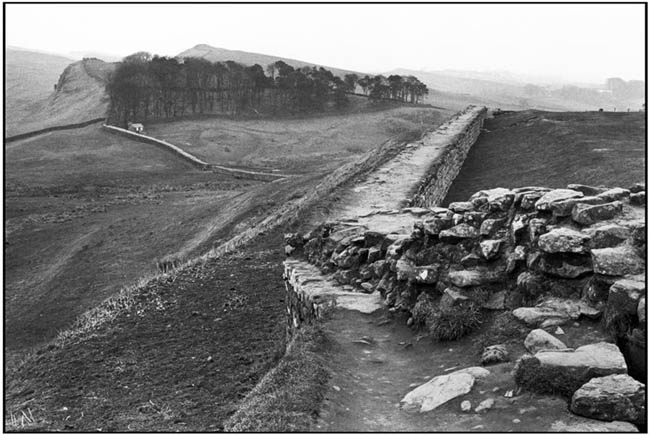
[(136, 127)]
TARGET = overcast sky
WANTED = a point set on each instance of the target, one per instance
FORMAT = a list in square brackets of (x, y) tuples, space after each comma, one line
[(587, 42)]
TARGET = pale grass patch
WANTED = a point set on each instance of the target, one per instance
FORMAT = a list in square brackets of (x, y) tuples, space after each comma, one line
[(19, 420)]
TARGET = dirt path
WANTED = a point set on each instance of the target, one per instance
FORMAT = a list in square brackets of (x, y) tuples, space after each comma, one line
[(369, 380)]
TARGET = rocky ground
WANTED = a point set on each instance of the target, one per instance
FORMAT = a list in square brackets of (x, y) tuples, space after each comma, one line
[(567, 266)]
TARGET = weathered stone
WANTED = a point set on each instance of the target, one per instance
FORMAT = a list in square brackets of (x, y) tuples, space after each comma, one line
[(565, 265), (538, 340), (589, 214), (499, 199), (490, 248), (613, 397), (490, 226), (366, 272), (536, 227), (526, 189), (427, 274), (474, 218), (565, 207), (607, 236), (640, 310), (638, 199), (348, 258), (461, 207), (497, 301), (347, 234), (395, 249), (468, 278), (519, 223), (563, 240), (465, 406), (433, 227), (367, 287), (615, 194), (625, 294), (535, 316), (598, 288), (494, 354), (344, 276), (637, 187), (405, 270), (529, 199), (437, 391), (484, 405), (515, 257), (457, 219), (380, 267), (451, 298), (471, 260), (544, 203), (587, 190), (374, 254), (620, 260), (458, 232), (288, 250), (566, 371), (588, 425)]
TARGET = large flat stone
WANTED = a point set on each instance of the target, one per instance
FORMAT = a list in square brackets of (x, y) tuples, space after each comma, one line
[(565, 207), (613, 397), (538, 340), (442, 389), (563, 240), (617, 261), (458, 232), (586, 214), (564, 372), (624, 295), (544, 203)]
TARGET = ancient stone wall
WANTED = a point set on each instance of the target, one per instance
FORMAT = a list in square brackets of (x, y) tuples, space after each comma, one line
[(549, 255), (444, 169), (422, 173)]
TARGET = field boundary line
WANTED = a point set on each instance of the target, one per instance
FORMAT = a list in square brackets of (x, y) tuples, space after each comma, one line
[(54, 128), (194, 160)]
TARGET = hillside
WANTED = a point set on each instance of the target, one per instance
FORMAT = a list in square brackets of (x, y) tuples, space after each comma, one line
[(554, 149), (505, 92), (79, 96), (215, 54), (29, 80)]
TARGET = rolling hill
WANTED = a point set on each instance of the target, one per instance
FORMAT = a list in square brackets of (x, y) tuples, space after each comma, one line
[(508, 92), (215, 54), (40, 95)]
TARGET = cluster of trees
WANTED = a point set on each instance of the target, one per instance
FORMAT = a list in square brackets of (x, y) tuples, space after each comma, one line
[(396, 87), (145, 87)]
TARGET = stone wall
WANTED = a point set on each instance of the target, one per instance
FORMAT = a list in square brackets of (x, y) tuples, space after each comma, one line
[(423, 171), (444, 169), (549, 255)]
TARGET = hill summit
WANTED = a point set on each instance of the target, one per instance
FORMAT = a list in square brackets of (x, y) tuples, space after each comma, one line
[(217, 54)]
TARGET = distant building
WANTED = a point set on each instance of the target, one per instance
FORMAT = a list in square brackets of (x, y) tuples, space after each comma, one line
[(136, 127)]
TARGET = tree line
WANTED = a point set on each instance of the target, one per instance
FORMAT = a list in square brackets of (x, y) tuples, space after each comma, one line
[(396, 87), (145, 87)]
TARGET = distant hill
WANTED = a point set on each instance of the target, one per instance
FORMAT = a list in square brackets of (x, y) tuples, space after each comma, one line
[(448, 88), (33, 103), (215, 54)]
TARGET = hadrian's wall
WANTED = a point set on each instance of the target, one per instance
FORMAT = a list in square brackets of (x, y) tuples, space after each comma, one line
[(434, 186), (421, 174), (548, 255)]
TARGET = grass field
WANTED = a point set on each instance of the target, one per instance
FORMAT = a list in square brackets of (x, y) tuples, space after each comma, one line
[(87, 212), (533, 148), (295, 145)]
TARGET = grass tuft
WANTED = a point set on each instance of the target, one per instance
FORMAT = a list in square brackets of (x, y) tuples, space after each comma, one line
[(453, 323)]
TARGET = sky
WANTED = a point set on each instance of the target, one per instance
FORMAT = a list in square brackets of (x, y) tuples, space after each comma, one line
[(571, 42)]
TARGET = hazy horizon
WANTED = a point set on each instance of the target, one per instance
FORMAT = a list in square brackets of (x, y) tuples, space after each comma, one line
[(565, 43)]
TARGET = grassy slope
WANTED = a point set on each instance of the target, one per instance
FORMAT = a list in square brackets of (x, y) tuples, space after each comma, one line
[(88, 212), (29, 80), (295, 145), (79, 97), (554, 149)]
